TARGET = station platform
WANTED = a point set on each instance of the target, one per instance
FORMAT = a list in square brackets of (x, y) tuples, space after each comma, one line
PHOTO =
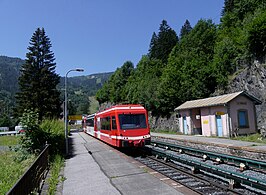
[(96, 168), (221, 142)]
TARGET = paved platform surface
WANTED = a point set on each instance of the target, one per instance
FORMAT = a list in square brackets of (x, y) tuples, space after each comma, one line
[(96, 168), (218, 141)]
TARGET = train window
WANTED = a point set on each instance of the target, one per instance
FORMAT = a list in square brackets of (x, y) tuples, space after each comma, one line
[(90, 122), (113, 123), (98, 124), (106, 123), (132, 121)]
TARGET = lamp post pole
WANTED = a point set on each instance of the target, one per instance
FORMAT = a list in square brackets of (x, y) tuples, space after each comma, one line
[(65, 109)]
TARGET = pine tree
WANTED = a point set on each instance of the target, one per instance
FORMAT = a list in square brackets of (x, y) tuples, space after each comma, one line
[(186, 28), (162, 44), (153, 43), (38, 79)]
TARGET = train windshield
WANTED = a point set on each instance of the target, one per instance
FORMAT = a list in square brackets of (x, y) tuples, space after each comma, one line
[(132, 121)]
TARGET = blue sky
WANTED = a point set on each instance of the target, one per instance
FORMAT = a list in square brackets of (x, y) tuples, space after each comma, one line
[(96, 35)]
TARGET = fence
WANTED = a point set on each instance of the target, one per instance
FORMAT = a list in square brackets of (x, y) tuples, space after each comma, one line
[(32, 179)]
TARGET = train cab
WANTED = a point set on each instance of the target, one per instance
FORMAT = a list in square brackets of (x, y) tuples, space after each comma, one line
[(122, 126)]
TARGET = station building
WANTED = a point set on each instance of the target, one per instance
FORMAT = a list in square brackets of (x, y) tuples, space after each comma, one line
[(224, 116)]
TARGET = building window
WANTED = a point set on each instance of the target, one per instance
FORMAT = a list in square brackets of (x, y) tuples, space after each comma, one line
[(243, 119)]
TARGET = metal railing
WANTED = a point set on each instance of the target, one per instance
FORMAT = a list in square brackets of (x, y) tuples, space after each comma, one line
[(32, 179)]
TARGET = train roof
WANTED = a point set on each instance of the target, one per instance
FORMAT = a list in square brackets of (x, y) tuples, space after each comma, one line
[(123, 107)]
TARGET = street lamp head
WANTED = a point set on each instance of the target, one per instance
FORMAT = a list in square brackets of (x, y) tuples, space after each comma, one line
[(79, 69)]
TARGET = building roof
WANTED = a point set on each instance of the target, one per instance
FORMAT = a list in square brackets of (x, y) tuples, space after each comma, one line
[(215, 101)]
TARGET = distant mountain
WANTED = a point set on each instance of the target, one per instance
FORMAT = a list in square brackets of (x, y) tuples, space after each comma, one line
[(88, 84), (79, 88), (9, 73)]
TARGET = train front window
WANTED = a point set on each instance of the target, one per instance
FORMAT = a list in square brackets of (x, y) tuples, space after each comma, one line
[(132, 121)]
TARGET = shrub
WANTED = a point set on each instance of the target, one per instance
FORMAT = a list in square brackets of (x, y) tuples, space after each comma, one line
[(37, 135), (34, 139), (54, 131)]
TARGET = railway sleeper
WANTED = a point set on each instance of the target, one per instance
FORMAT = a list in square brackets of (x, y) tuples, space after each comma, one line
[(180, 177), (196, 184), (167, 172)]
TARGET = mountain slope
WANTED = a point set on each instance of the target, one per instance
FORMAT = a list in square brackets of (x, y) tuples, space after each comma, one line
[(9, 73), (79, 88)]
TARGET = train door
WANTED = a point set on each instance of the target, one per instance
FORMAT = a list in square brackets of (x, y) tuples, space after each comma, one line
[(185, 129), (98, 128), (114, 131), (219, 125)]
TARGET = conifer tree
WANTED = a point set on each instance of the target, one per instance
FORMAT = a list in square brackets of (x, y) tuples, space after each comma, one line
[(162, 44), (38, 79), (186, 28)]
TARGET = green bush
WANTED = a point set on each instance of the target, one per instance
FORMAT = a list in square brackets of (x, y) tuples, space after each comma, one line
[(34, 139), (54, 131), (37, 135)]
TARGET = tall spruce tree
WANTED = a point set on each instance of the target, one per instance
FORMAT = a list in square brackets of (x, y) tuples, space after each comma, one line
[(186, 28), (162, 44), (38, 79)]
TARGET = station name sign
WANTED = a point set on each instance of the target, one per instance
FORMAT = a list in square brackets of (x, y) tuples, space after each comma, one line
[(75, 117)]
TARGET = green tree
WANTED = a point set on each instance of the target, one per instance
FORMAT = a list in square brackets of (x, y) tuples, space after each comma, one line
[(162, 44), (38, 79), (186, 28), (142, 86), (189, 74), (5, 121), (256, 37), (118, 81), (102, 95), (241, 38), (113, 90)]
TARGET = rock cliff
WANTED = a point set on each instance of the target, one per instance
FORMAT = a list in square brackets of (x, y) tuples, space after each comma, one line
[(253, 80)]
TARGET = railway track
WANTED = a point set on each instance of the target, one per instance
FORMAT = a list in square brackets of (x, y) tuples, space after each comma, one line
[(247, 163), (209, 175), (197, 183)]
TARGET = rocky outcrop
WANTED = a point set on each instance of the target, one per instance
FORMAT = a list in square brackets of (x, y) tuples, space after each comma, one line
[(252, 79), (164, 124)]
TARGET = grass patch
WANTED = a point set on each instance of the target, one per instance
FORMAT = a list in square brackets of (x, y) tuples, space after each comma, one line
[(9, 140), (11, 170), (251, 138), (56, 166)]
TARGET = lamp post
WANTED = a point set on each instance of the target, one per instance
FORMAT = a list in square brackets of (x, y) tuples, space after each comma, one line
[(65, 110)]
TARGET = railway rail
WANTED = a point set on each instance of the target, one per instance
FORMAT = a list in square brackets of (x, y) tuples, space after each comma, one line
[(248, 179), (244, 162), (197, 183)]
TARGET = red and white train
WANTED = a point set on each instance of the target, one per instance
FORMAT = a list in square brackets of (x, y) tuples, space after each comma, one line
[(120, 126)]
